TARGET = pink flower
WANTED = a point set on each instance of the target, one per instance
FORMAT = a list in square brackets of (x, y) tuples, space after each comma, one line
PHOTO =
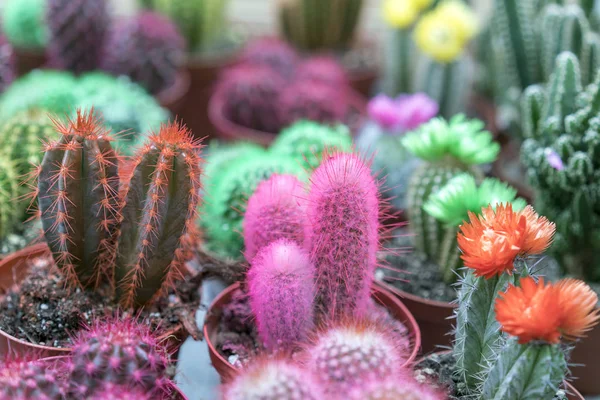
[(402, 114), (384, 111)]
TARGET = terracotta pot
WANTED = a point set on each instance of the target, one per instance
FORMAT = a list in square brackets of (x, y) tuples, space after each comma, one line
[(13, 269), (227, 371), (586, 363), (173, 98), (572, 393), (177, 393), (229, 130), (435, 318), (28, 60)]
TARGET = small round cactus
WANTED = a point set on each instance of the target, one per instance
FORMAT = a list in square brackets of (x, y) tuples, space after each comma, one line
[(110, 391), (322, 69), (148, 48), (307, 141), (274, 211), (282, 289), (273, 379), (8, 64), (26, 379), (352, 352), (24, 24), (393, 388), (273, 53), (119, 352)]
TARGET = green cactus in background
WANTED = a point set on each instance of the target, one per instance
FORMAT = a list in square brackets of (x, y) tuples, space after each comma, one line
[(227, 198), (562, 129), (451, 206), (319, 24), (448, 148), (201, 22), (24, 24), (10, 208), (306, 141)]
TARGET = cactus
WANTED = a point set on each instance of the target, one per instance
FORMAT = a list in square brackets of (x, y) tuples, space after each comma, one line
[(281, 289), (317, 25), (274, 211), (273, 53), (119, 392), (306, 141), (560, 153), (158, 211), (315, 101), (26, 378), (348, 353), (11, 211), (273, 379), (118, 352), (78, 31), (323, 69), (226, 200), (200, 22), (250, 96), (447, 149), (24, 24), (7, 64), (393, 388), (77, 195), (342, 234), (147, 48)]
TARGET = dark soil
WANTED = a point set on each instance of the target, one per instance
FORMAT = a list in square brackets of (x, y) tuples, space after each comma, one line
[(439, 371), (41, 310)]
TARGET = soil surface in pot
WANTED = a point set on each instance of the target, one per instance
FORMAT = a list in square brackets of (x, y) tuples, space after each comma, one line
[(42, 311), (238, 342), (439, 370)]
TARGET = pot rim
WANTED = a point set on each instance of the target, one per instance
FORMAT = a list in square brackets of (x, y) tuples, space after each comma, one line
[(177, 90)]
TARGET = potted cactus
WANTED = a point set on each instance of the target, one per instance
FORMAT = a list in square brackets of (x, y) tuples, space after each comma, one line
[(321, 247), (8, 68), (109, 242)]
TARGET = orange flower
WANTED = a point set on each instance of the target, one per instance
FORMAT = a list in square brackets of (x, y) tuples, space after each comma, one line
[(530, 312), (539, 232), (491, 241), (578, 310)]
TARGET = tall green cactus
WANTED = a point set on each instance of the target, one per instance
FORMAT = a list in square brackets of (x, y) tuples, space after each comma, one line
[(448, 148), (562, 127), (319, 24)]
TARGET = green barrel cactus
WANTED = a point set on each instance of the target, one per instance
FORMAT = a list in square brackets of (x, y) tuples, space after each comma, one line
[(447, 148), (306, 141), (11, 212), (24, 24), (561, 124)]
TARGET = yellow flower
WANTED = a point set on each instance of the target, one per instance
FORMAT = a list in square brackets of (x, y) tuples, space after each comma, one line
[(461, 16), (439, 37), (422, 4), (400, 13)]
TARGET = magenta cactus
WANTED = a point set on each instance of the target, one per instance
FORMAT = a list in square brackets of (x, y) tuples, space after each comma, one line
[(118, 352), (273, 379), (282, 289), (110, 391), (400, 387), (312, 100), (273, 53), (78, 31), (251, 95), (275, 210), (26, 378), (324, 69), (148, 48), (351, 352), (342, 234), (8, 64)]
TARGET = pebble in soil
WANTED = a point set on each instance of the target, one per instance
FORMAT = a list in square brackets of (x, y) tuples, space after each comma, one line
[(41, 310)]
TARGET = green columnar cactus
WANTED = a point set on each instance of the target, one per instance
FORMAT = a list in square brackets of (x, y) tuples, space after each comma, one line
[(201, 22), (399, 69), (319, 24), (24, 24), (562, 127), (306, 141), (447, 149), (10, 213)]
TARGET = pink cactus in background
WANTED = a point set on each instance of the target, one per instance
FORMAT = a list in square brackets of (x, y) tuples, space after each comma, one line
[(400, 387), (272, 52), (342, 233), (405, 113), (281, 289), (323, 69), (8, 64), (275, 210)]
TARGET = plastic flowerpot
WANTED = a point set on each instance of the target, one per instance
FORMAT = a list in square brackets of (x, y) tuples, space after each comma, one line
[(229, 130), (379, 294), (174, 97), (585, 363), (13, 269), (572, 393)]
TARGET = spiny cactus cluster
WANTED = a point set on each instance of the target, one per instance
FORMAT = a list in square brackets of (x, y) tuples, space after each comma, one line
[(27, 378), (24, 23), (7, 64), (100, 233), (562, 134), (148, 48), (327, 24)]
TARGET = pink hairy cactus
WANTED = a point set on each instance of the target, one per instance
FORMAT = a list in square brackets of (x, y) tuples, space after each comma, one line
[(273, 53), (117, 392), (275, 210), (281, 290), (273, 379), (342, 227), (401, 387), (26, 378), (323, 69)]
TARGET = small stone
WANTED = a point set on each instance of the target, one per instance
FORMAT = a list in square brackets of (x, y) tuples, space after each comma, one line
[(44, 306)]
